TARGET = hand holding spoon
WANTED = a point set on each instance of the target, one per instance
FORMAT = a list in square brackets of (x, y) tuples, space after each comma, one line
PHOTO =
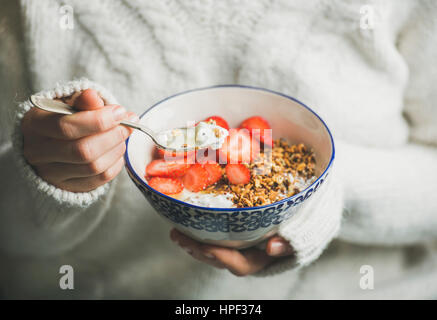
[(202, 137)]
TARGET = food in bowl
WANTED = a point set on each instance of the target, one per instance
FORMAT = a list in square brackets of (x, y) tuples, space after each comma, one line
[(248, 169), (210, 220)]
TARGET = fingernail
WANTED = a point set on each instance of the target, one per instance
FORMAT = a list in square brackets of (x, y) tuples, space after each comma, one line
[(118, 112), (133, 118), (188, 250), (209, 255), (277, 248)]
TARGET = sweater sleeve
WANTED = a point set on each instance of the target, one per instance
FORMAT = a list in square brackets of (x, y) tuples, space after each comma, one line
[(390, 197), (36, 217), (311, 228)]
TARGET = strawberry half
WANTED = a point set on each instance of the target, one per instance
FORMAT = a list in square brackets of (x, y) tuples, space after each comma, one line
[(238, 147), (237, 173), (162, 168), (196, 178), (218, 121), (166, 185), (264, 134), (215, 172)]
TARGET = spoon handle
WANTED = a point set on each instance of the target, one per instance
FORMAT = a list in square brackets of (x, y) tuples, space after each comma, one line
[(143, 129), (51, 105)]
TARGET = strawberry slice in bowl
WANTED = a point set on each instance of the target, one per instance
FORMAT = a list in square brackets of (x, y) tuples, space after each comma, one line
[(163, 168), (237, 173), (259, 128), (168, 186), (196, 178), (215, 172), (239, 147)]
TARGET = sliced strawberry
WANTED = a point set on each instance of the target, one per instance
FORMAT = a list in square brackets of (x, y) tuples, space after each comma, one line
[(264, 132), (218, 121), (176, 170), (179, 179), (215, 172), (157, 168), (237, 173), (166, 185), (196, 178), (238, 147), (164, 168)]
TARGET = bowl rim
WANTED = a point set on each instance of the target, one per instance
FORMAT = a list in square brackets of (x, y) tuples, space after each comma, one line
[(133, 172)]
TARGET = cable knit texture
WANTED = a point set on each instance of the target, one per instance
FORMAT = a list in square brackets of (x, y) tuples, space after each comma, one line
[(373, 86)]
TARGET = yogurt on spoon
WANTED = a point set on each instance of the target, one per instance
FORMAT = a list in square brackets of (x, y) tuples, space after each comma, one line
[(203, 135)]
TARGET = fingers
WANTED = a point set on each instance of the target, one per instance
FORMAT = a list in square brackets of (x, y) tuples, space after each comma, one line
[(55, 173), (193, 248), (77, 152), (90, 183), (74, 126), (278, 247), (88, 99), (82, 151), (71, 100), (239, 262), (88, 149)]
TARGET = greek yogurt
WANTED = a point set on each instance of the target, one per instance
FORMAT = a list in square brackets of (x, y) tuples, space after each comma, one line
[(207, 199), (203, 135)]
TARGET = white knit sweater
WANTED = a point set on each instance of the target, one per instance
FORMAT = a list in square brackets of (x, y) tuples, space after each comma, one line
[(374, 87)]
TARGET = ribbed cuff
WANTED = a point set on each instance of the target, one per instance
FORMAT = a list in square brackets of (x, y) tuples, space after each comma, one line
[(311, 229), (37, 184)]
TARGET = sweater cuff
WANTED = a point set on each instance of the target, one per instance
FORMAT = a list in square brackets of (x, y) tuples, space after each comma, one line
[(311, 229), (36, 183)]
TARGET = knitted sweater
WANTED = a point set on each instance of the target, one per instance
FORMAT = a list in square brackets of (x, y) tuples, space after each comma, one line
[(373, 86)]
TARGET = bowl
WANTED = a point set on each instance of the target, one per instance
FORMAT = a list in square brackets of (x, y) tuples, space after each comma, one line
[(231, 227)]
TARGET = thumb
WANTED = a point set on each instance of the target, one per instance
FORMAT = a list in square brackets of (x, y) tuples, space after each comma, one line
[(88, 99), (278, 246)]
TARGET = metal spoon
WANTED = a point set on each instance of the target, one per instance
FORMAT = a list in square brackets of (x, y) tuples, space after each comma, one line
[(63, 108)]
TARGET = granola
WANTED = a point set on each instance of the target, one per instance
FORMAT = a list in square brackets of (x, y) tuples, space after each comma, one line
[(274, 175)]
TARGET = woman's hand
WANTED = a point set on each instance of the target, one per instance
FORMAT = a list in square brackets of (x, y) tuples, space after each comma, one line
[(77, 152), (240, 263)]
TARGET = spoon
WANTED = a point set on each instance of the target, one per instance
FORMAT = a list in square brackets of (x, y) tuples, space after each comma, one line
[(63, 108)]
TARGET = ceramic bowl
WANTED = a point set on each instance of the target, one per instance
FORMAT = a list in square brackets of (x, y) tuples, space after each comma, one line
[(231, 227)]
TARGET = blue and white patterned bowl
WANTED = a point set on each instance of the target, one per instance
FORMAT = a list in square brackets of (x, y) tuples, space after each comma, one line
[(231, 227)]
